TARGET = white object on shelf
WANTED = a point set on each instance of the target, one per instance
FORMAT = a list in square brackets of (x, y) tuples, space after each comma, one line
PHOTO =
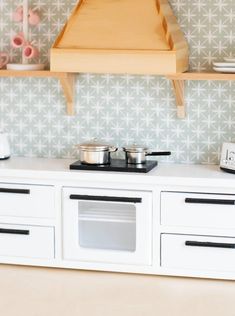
[(224, 64), (27, 67), (230, 60), (225, 70)]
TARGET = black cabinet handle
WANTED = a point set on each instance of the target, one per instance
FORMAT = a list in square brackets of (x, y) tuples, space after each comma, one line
[(14, 231), (210, 201), (105, 198), (209, 244), (14, 191)]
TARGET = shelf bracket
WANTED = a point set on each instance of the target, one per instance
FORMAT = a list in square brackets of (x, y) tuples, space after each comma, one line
[(178, 86), (67, 81)]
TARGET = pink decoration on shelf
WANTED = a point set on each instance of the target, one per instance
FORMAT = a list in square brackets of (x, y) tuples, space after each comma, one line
[(26, 16), (17, 16), (18, 40), (34, 18), (30, 51)]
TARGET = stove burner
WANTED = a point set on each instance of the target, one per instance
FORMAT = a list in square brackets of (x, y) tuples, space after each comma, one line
[(118, 165)]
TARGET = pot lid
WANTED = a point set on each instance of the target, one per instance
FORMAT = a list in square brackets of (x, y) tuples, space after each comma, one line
[(135, 148), (94, 145)]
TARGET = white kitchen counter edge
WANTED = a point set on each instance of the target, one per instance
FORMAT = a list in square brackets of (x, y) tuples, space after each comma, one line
[(165, 173)]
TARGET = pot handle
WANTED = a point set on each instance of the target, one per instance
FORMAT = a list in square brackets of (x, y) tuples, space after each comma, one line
[(158, 153), (113, 149)]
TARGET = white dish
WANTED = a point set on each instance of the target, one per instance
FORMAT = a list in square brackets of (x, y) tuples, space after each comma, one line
[(225, 70), (224, 64), (229, 60), (27, 67)]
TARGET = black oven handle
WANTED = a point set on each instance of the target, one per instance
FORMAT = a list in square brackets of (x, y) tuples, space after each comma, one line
[(209, 244), (105, 198)]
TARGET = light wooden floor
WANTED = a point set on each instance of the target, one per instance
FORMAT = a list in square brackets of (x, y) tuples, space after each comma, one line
[(50, 292)]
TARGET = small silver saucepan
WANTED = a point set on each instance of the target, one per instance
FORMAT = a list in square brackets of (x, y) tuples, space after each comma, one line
[(95, 153), (137, 154)]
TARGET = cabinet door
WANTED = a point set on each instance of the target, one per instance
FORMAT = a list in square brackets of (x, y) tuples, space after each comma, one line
[(27, 200), (198, 210), (26, 241), (107, 226), (198, 253)]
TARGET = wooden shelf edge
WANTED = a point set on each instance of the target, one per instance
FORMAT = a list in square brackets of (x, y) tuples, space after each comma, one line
[(201, 76), (178, 81), (67, 81), (38, 74)]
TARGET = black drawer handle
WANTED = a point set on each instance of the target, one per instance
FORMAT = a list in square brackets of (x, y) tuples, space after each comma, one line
[(105, 198), (210, 201), (14, 231), (209, 244), (14, 191)]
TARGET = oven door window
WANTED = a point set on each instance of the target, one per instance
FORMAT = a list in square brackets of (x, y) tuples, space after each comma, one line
[(103, 225)]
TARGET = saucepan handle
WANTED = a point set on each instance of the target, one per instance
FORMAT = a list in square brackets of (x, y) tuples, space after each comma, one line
[(113, 149), (158, 153)]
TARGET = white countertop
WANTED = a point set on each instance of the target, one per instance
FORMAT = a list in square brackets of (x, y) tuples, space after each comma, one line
[(41, 168)]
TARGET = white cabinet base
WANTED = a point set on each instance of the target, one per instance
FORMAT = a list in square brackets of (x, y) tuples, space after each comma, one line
[(142, 225)]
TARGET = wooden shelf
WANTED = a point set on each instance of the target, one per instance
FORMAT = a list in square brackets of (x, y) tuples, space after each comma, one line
[(178, 80), (201, 76), (66, 80)]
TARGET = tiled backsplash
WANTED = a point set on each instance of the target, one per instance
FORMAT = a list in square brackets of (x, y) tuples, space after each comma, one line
[(123, 109)]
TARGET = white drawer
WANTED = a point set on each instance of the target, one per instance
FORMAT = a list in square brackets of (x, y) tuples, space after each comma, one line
[(27, 200), (26, 241), (197, 252), (197, 210)]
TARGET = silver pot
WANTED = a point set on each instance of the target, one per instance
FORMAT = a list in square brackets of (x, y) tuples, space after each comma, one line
[(95, 153), (137, 154)]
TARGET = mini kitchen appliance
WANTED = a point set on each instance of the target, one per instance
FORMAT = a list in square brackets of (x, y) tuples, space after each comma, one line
[(118, 165), (4, 146), (96, 156), (227, 161), (95, 153), (136, 154)]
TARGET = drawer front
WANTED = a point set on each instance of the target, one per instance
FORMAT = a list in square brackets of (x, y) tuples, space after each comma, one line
[(197, 210), (197, 253), (26, 241), (27, 200)]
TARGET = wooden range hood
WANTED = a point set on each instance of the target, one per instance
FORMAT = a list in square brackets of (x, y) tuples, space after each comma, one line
[(122, 36)]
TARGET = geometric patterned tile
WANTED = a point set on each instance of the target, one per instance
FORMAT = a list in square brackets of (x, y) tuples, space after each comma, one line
[(123, 109)]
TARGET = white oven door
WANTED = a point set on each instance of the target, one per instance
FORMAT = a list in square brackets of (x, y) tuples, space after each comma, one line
[(112, 226)]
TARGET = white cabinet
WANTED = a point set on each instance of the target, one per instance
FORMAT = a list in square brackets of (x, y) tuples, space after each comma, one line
[(198, 210), (176, 220), (26, 200), (198, 253), (110, 226), (26, 241)]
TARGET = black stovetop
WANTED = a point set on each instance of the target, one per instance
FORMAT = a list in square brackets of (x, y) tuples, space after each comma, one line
[(119, 165)]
